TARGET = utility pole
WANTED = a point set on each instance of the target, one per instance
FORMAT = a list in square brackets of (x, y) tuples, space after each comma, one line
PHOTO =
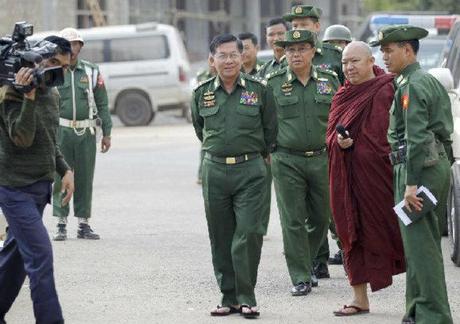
[(333, 12)]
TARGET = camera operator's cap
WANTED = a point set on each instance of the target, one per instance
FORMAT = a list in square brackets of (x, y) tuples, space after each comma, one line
[(398, 33), (71, 34), (303, 12), (298, 36)]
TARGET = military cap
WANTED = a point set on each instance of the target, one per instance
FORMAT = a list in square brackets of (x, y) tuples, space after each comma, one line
[(303, 12), (298, 36), (337, 32), (398, 33)]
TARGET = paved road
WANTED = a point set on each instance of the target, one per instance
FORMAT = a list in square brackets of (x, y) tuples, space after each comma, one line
[(153, 263)]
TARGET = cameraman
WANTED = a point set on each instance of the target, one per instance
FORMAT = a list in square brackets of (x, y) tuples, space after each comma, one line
[(29, 156)]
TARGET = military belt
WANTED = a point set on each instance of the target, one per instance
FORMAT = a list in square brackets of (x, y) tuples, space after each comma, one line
[(301, 153), (85, 123), (232, 159)]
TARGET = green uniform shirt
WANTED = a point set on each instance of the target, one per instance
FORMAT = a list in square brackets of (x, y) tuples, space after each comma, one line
[(421, 112), (28, 133), (271, 67), (255, 69), (203, 75), (329, 57), (237, 123), (76, 89), (303, 111)]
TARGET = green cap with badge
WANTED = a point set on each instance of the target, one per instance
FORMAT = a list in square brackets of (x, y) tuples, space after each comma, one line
[(303, 12), (298, 36), (398, 33)]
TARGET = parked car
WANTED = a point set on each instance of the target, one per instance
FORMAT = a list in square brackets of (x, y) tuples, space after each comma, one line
[(145, 68), (450, 78)]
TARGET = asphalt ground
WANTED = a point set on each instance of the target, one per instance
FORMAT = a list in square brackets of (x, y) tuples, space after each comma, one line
[(153, 263)]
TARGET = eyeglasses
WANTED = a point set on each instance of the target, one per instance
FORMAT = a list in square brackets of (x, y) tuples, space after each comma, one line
[(301, 50), (224, 57)]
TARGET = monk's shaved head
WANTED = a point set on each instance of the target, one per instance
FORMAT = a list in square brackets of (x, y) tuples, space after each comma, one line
[(358, 62), (358, 47)]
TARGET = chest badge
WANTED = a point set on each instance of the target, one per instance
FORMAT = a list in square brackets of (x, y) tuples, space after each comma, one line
[(209, 99), (325, 66), (249, 98), (324, 87), (286, 88), (84, 79)]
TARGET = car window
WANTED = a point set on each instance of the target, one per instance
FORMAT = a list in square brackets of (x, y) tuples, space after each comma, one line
[(143, 48)]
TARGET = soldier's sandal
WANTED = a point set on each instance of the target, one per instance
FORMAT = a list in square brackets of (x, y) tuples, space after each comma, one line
[(249, 313), (358, 311), (225, 310)]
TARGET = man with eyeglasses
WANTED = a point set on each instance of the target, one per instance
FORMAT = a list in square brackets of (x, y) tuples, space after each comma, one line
[(234, 118), (303, 95)]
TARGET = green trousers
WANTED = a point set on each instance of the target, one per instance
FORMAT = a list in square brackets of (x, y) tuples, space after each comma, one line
[(323, 252), (233, 199), (426, 293), (267, 200), (80, 154), (302, 193)]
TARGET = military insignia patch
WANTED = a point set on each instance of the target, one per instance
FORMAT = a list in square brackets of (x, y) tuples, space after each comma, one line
[(323, 87), (296, 35), (84, 79), (209, 99), (405, 101), (286, 88), (249, 98), (298, 10), (325, 66)]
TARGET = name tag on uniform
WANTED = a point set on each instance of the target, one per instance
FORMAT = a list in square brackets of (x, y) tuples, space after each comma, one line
[(249, 98), (324, 87)]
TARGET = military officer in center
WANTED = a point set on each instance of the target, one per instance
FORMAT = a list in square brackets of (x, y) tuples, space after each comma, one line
[(235, 119), (329, 57), (83, 109), (303, 94), (420, 126)]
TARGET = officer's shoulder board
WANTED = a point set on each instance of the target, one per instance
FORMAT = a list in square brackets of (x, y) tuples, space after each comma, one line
[(326, 72), (332, 47), (275, 73), (203, 83), (255, 78), (91, 65)]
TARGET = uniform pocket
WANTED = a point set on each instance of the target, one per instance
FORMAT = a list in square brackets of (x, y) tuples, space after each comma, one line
[(210, 116), (288, 107), (248, 116)]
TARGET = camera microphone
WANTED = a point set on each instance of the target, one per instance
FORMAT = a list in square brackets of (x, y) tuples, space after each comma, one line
[(342, 131)]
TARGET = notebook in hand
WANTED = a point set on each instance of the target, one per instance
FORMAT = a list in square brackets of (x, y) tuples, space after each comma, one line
[(429, 203)]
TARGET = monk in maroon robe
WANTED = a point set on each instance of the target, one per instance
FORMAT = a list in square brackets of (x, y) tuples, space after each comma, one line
[(361, 178)]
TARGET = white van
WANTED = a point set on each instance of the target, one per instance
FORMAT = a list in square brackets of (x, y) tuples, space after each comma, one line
[(145, 68)]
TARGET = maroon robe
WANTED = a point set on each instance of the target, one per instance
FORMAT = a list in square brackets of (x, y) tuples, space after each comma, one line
[(361, 182)]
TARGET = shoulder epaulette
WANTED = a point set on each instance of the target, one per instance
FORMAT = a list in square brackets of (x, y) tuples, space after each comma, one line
[(255, 78), (275, 73), (332, 47), (326, 71), (203, 82), (85, 62)]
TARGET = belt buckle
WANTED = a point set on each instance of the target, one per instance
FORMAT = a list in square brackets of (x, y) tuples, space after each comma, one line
[(309, 153), (230, 160), (73, 123)]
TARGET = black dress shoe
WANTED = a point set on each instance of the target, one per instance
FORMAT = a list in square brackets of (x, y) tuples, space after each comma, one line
[(301, 289), (321, 271), (337, 258), (408, 320)]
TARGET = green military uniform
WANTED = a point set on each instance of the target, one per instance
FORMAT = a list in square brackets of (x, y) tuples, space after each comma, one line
[(272, 66), (420, 121), (78, 117), (202, 77), (236, 130), (300, 165), (255, 69)]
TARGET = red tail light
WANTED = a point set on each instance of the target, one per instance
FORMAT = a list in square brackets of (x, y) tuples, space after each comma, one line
[(182, 74)]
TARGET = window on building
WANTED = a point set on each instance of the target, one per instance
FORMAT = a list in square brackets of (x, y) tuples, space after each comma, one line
[(84, 16)]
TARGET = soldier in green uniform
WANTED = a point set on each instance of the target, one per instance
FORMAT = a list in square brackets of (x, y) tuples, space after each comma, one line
[(275, 31), (250, 64), (420, 123), (83, 109), (235, 119), (328, 57), (303, 94)]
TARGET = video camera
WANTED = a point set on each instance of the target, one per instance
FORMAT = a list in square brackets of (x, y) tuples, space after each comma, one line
[(16, 52)]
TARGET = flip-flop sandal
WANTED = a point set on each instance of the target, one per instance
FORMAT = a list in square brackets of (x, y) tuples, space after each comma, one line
[(230, 310), (252, 314), (359, 311)]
